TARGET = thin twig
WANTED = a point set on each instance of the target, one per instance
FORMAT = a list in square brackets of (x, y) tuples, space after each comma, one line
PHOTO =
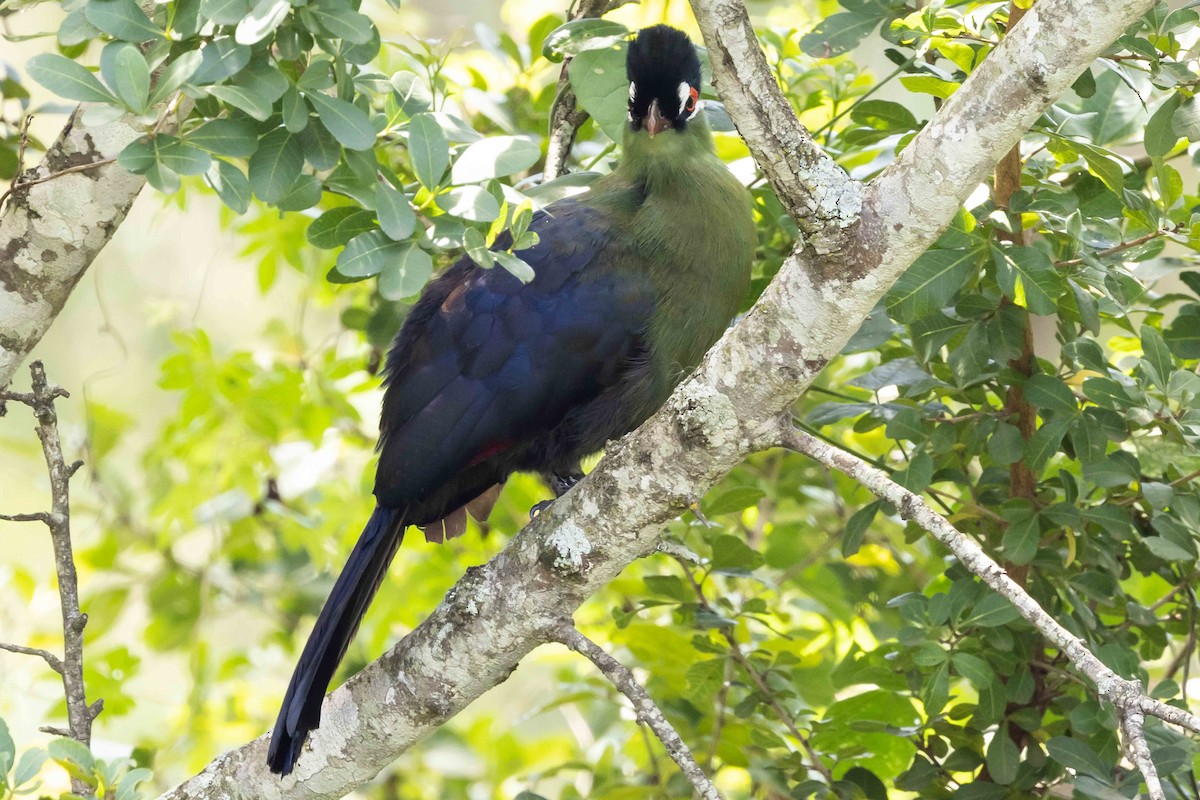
[(735, 651), (1117, 248), (51, 659), (648, 713), (1131, 702), (41, 399), (52, 176)]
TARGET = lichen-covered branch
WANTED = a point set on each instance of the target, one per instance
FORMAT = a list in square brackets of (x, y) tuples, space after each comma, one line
[(1131, 702), (728, 409), (79, 714), (648, 713), (52, 230)]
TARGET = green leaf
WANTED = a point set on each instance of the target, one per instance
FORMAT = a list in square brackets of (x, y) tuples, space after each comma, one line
[(577, 35), (471, 203), (76, 30), (304, 193), (1005, 445), (973, 668), (427, 149), (295, 111), (930, 283), (230, 185), (225, 12), (28, 766), (132, 79), (348, 123), (494, 157), (1116, 469), (252, 101), (1160, 129), (338, 226), (1183, 336), (736, 499), (396, 216), (1028, 277), (857, 527), (342, 22), (237, 138), (1045, 442), (1022, 536), (122, 19), (262, 21), (731, 553), (1167, 550), (839, 33), (928, 84), (1050, 394), (1187, 120), (991, 612), (477, 249), (68, 751), (1158, 355), (601, 87), (884, 115), (8, 751), (67, 79), (1003, 758), (406, 273), (175, 74), (514, 265), (181, 157), (1076, 755), (219, 60), (369, 254), (276, 164)]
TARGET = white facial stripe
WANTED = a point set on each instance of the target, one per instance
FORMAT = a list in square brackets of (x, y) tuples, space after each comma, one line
[(632, 91), (684, 91), (696, 110)]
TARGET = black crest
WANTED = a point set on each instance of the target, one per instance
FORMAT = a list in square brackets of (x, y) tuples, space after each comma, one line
[(660, 58)]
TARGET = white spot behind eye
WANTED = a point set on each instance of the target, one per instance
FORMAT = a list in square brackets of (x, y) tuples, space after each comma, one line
[(685, 93)]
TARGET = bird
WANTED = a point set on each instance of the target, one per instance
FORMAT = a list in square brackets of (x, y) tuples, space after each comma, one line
[(633, 281)]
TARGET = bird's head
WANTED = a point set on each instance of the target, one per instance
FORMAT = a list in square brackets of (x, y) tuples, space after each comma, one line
[(664, 80)]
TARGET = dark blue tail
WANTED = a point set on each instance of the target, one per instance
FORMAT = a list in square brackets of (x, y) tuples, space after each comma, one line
[(336, 626)]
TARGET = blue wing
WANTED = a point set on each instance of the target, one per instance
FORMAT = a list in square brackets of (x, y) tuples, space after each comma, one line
[(486, 364)]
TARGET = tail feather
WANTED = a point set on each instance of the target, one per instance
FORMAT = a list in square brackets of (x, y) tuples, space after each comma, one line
[(336, 626)]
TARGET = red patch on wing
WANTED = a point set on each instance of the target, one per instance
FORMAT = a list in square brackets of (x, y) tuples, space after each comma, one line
[(488, 452)]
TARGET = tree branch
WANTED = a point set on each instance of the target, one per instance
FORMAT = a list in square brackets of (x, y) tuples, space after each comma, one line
[(648, 713), (1131, 702), (79, 714), (726, 410)]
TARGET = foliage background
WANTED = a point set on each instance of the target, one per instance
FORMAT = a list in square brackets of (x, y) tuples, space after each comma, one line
[(224, 402)]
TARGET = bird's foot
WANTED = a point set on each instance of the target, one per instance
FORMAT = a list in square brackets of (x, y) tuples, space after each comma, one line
[(561, 484), (538, 508)]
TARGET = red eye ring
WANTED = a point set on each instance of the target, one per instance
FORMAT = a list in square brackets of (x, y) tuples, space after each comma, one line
[(693, 96)]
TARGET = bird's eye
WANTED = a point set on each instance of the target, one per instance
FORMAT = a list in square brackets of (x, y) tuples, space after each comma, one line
[(689, 98)]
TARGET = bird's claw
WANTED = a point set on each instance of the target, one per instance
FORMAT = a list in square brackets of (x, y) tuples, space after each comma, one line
[(538, 508)]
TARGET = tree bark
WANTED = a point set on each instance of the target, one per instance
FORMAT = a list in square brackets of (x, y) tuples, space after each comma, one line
[(51, 232), (859, 241)]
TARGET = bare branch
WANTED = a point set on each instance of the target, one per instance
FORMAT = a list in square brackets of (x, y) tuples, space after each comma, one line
[(647, 712), (37, 516), (51, 659), (1133, 736), (1131, 702), (58, 520)]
